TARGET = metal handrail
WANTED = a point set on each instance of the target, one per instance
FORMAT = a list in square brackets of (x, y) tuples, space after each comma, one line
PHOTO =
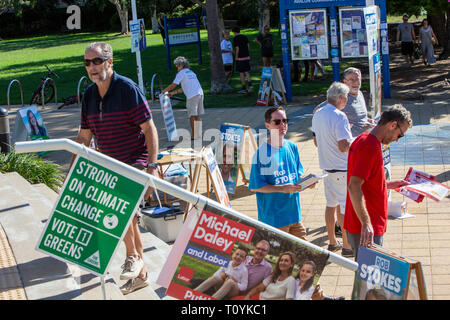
[(78, 88), (151, 85), (42, 91), (167, 187), (9, 88)]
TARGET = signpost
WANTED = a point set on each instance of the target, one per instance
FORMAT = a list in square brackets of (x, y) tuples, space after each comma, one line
[(182, 31), (90, 216)]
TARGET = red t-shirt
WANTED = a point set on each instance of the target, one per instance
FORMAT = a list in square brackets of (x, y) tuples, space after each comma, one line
[(365, 161)]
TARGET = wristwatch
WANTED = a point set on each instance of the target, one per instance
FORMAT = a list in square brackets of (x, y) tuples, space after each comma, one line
[(154, 165)]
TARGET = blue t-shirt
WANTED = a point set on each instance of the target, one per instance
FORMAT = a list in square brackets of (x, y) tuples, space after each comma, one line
[(277, 166)]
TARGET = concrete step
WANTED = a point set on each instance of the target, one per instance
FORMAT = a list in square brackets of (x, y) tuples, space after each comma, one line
[(43, 277), (38, 200)]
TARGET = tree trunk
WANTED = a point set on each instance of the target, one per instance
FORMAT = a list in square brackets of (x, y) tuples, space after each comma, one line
[(122, 11), (439, 23), (155, 26), (264, 14), (219, 83)]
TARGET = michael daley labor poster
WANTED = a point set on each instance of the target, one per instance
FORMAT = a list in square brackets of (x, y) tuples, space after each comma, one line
[(213, 256)]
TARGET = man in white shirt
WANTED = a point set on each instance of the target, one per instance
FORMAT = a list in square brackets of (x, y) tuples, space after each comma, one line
[(227, 54), (193, 91), (332, 138)]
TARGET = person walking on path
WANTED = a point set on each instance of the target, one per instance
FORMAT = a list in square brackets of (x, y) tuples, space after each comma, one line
[(427, 38), (366, 208), (265, 41), (332, 138), (276, 170), (242, 56), (193, 91), (405, 33), (115, 111)]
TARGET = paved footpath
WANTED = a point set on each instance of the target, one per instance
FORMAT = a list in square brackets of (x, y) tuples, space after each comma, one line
[(426, 146)]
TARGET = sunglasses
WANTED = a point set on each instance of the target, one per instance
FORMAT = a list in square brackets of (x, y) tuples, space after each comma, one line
[(401, 135), (97, 61), (277, 122)]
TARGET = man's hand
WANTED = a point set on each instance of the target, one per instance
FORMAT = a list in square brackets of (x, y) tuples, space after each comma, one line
[(291, 188), (366, 235), (153, 171), (397, 184)]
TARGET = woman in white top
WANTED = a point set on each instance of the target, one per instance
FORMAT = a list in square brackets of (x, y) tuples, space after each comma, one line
[(281, 284), (427, 38), (304, 288), (193, 92), (229, 280)]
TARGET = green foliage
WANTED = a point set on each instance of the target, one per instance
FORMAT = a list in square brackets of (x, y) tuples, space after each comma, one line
[(416, 7), (33, 169)]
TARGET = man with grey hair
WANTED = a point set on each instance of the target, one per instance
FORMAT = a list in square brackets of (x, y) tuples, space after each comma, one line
[(115, 111), (333, 138), (366, 209), (355, 109), (191, 87)]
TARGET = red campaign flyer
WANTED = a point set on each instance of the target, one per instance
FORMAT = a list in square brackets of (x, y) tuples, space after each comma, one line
[(214, 246), (423, 185)]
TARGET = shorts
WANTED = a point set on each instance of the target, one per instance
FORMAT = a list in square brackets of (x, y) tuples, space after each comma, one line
[(335, 187), (355, 239), (297, 229), (242, 65), (228, 67), (194, 105), (407, 48)]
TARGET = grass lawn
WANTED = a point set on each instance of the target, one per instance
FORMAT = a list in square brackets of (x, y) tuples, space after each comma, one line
[(24, 59)]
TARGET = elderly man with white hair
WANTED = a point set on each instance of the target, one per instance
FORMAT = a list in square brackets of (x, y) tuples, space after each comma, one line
[(193, 91), (332, 138)]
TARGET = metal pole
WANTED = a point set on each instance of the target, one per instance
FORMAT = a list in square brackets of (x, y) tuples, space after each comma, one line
[(138, 53), (167, 187), (102, 279), (5, 144)]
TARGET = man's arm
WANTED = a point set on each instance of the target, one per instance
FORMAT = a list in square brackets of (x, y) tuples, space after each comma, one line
[(343, 145), (151, 141), (286, 188), (169, 88), (84, 137), (356, 197)]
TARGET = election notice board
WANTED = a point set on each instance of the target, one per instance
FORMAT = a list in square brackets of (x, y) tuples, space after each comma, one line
[(90, 216), (309, 39), (353, 33), (384, 275)]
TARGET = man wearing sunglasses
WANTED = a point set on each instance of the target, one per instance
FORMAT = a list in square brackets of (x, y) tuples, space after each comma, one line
[(116, 112), (332, 139), (366, 209), (276, 170)]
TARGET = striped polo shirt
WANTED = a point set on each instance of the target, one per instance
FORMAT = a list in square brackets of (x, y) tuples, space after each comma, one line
[(115, 120)]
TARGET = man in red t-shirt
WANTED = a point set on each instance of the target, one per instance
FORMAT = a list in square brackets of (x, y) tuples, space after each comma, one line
[(365, 221)]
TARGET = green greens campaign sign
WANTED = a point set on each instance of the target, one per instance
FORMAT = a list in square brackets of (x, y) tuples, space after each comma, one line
[(91, 216)]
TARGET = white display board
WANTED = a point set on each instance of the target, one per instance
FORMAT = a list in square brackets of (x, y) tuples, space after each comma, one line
[(309, 38)]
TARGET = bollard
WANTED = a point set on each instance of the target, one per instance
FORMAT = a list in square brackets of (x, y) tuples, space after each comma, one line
[(5, 145)]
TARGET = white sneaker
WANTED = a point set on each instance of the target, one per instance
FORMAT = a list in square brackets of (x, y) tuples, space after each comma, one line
[(131, 268), (135, 284)]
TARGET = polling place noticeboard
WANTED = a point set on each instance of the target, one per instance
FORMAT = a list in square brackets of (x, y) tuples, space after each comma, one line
[(353, 33), (309, 38), (169, 119), (91, 216)]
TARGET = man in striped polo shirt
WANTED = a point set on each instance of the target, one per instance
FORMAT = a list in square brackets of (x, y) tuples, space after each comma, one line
[(116, 113)]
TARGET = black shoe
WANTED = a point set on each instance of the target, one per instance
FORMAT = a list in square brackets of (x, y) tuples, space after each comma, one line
[(337, 230), (348, 253), (334, 247)]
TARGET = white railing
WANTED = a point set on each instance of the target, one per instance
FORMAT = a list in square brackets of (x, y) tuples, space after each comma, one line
[(167, 187)]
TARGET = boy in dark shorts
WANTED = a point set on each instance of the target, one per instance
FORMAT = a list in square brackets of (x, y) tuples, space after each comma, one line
[(242, 54)]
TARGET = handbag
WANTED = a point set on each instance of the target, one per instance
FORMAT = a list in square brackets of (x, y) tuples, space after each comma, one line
[(417, 51)]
